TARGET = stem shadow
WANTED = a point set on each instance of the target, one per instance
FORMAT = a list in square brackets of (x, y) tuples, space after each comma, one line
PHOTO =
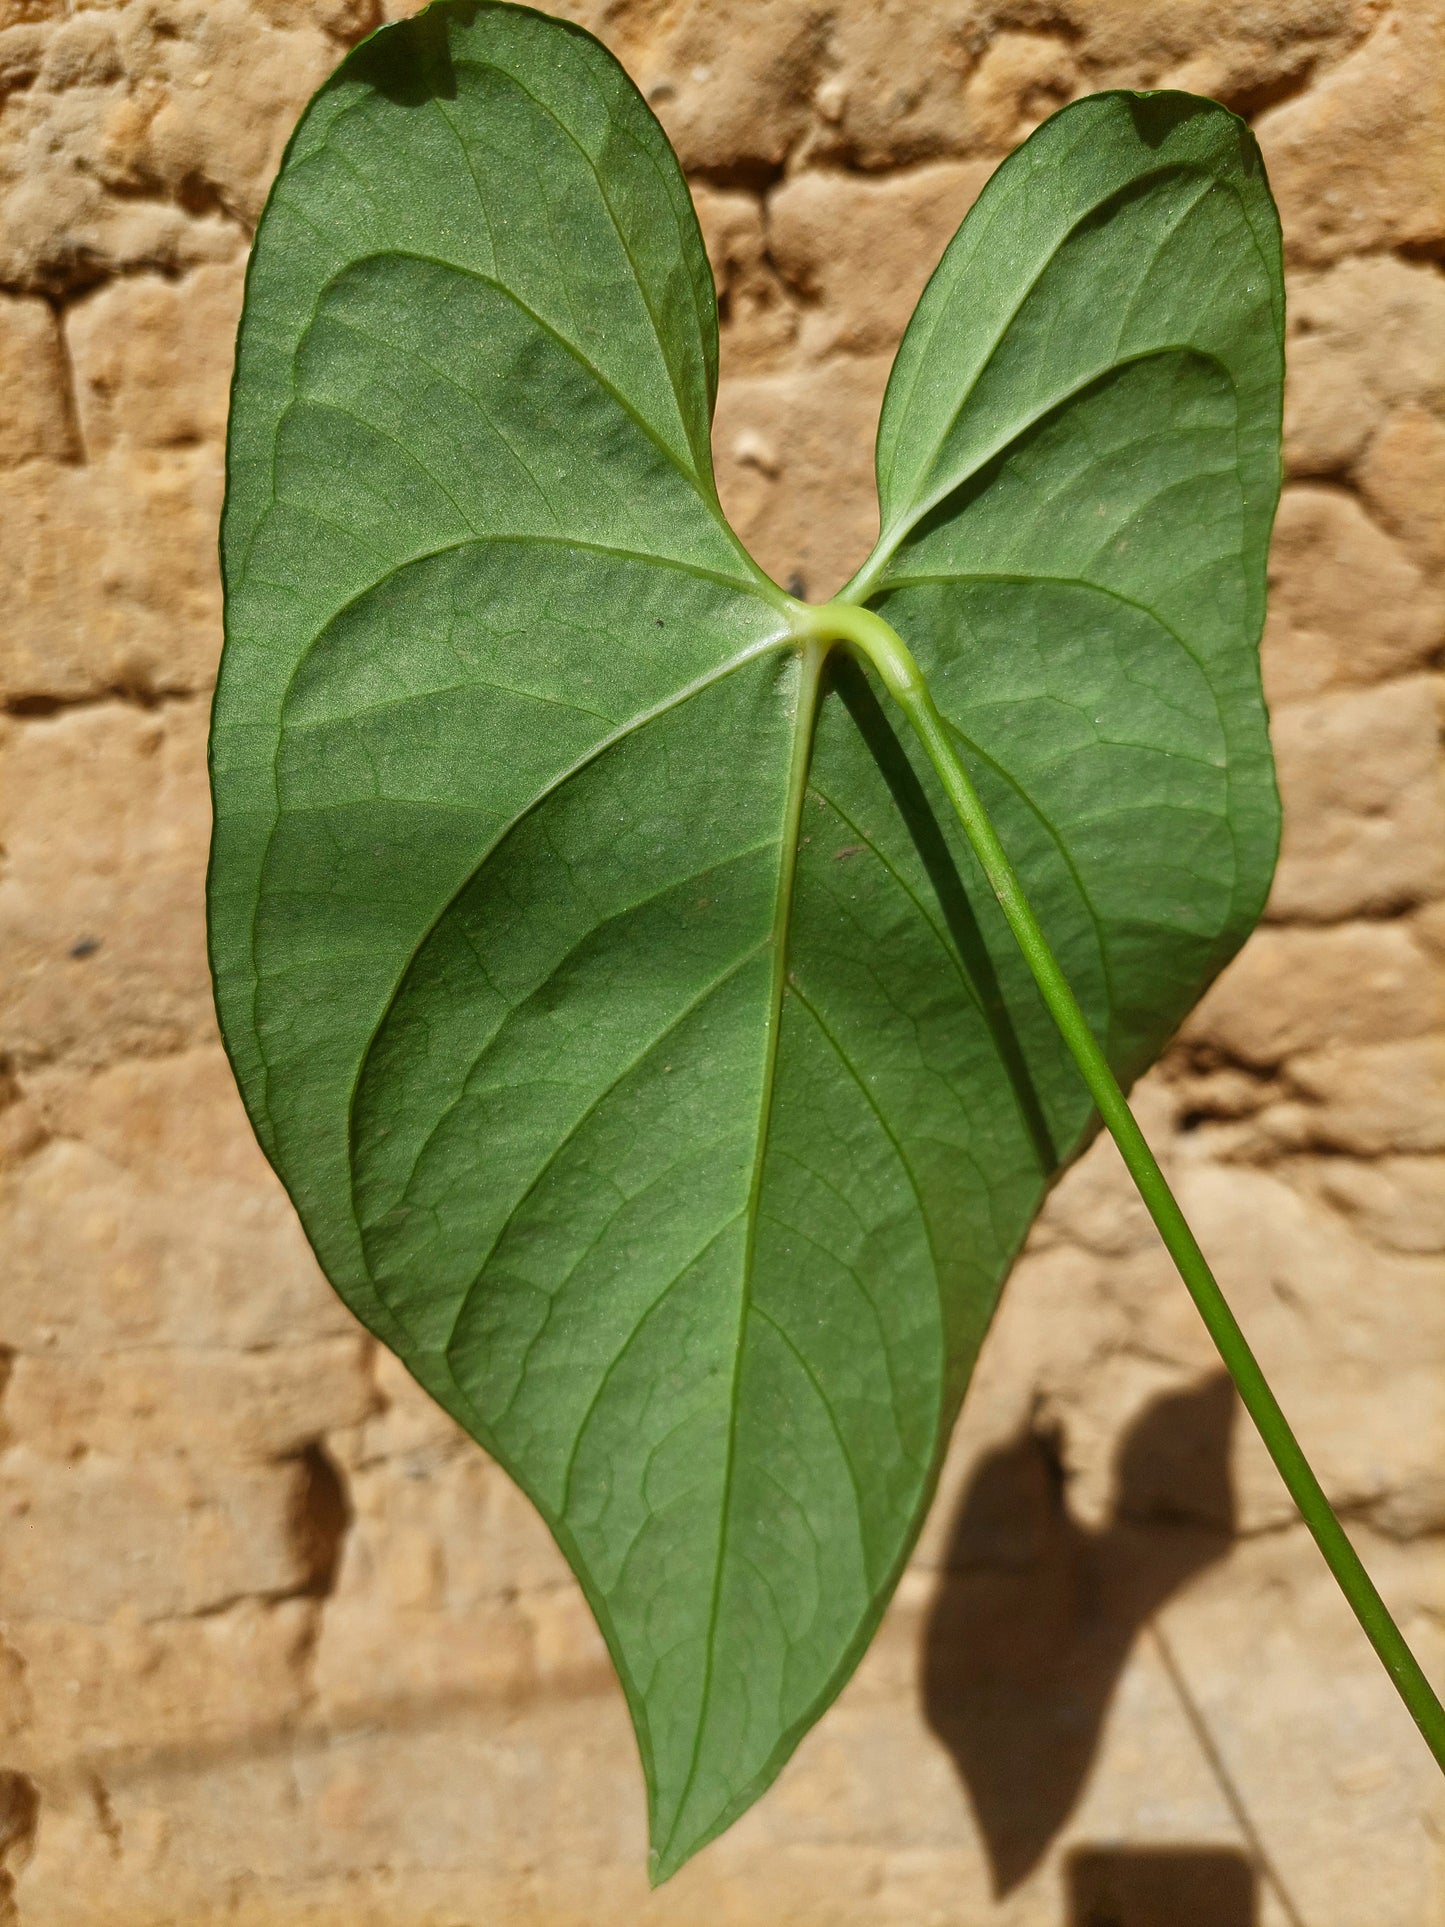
[(913, 806)]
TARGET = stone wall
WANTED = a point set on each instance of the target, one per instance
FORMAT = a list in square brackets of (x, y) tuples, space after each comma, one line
[(278, 1646)]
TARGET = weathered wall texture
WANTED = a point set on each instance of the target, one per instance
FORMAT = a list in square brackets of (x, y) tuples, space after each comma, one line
[(278, 1646)]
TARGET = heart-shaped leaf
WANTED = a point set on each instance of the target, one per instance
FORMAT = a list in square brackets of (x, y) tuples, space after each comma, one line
[(604, 976)]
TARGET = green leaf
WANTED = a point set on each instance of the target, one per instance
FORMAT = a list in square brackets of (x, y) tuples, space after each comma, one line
[(604, 977)]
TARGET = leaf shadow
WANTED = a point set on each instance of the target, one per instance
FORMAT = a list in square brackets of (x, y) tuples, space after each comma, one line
[(1036, 1614), (412, 63), (1156, 115), (1165, 1886), (913, 806)]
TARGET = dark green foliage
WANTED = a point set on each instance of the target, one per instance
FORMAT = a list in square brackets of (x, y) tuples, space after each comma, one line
[(644, 1054)]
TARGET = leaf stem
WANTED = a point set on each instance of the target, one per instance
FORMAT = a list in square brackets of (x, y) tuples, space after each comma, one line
[(885, 650)]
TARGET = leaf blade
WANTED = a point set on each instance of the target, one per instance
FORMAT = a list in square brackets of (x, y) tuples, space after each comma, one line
[(649, 1066)]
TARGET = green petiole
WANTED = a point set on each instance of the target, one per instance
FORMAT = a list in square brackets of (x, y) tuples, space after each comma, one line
[(884, 650)]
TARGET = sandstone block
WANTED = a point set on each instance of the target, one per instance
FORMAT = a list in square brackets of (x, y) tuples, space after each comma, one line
[(153, 358), (757, 322), (795, 469), (1331, 1319), (1398, 1202), (1366, 334), (891, 85), (154, 1538), (1403, 476), (35, 417), (1020, 79), (1356, 163), (859, 251), (733, 104), (81, 52), (101, 912), (146, 136), (1375, 1100), (114, 574), (450, 1584), (122, 1233), (1347, 604), (1242, 49), (1300, 990), (406, 1427), (239, 1405), (63, 227), (1364, 811), (188, 1683)]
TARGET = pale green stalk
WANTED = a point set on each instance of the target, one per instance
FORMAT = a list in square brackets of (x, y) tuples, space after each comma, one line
[(881, 646)]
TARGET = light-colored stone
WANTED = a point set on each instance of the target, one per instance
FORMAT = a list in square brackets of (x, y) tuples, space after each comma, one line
[(100, 914), (795, 469), (114, 573), (1347, 605), (1372, 1101), (758, 321), (152, 359), (262, 1404), (1020, 79), (858, 252), (153, 1538), (1357, 163), (186, 1685), (148, 139), (1396, 1201), (139, 1212), (1403, 476), (1364, 808), (35, 405), (1329, 1317), (732, 103), (1367, 334), (1300, 990)]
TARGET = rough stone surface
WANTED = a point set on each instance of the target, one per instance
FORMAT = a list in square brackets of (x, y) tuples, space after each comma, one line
[(280, 1648)]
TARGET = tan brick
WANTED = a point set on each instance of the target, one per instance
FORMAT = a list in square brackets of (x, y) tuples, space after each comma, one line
[(1364, 810), (186, 1684), (758, 321), (1020, 79), (859, 251), (35, 411), (1347, 604), (890, 89), (114, 576), (63, 227), (795, 469), (1237, 47), (153, 358), (1330, 1318), (1376, 1100), (1394, 1201), (153, 1538), (252, 1405), (144, 1214), (1299, 990), (1357, 162), (1366, 334), (182, 108), (732, 103), (101, 912), (1403, 476)]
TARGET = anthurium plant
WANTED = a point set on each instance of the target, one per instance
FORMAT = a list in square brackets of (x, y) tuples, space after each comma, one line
[(668, 1002)]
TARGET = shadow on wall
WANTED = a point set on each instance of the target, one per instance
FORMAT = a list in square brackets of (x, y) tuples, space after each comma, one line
[(1160, 1887), (1033, 1622)]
